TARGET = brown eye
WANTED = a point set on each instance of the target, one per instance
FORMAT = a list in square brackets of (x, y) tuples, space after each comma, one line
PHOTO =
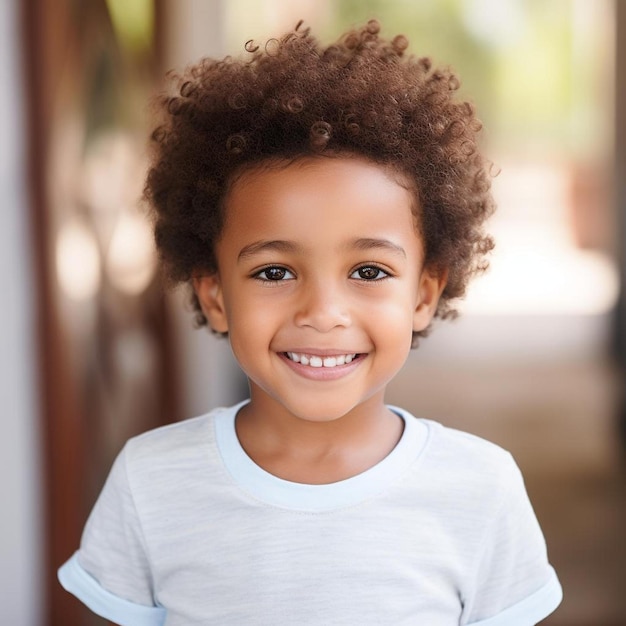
[(369, 272), (274, 274)]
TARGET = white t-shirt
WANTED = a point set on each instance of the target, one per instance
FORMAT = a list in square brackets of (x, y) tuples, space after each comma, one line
[(188, 530)]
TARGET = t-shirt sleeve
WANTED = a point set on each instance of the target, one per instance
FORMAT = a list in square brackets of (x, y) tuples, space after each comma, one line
[(514, 583), (111, 573)]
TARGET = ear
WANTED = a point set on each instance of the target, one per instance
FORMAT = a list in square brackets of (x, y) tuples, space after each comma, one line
[(209, 292), (431, 285)]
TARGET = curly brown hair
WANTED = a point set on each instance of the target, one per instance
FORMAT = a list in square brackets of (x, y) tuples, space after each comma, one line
[(293, 98)]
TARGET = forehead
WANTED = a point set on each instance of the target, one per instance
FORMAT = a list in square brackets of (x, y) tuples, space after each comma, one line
[(321, 193)]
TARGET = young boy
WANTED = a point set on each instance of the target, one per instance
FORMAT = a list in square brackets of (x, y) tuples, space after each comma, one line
[(324, 204)]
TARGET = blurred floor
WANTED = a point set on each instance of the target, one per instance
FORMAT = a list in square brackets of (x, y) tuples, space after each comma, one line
[(558, 420)]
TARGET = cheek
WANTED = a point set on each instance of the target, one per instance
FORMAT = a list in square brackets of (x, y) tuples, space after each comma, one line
[(392, 322), (251, 326), (397, 302)]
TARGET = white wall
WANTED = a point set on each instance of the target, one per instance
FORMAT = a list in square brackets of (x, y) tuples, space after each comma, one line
[(20, 512)]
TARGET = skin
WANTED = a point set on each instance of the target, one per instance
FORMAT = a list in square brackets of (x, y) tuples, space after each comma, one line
[(320, 256)]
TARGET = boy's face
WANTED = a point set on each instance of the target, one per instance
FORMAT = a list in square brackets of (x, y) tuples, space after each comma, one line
[(320, 284)]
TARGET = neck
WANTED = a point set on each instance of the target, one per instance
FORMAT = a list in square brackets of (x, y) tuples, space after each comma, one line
[(316, 451)]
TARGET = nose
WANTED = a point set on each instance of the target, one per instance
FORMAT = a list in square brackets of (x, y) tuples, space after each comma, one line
[(322, 307)]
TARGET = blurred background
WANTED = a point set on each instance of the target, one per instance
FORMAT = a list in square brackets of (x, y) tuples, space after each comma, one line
[(94, 351)]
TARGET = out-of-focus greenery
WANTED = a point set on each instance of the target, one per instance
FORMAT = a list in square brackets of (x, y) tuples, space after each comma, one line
[(116, 62), (133, 23), (435, 28), (531, 66)]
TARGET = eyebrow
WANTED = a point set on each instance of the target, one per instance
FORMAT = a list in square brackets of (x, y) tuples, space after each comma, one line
[(278, 245), (367, 243)]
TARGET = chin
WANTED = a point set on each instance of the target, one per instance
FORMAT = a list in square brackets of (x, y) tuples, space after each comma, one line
[(320, 412)]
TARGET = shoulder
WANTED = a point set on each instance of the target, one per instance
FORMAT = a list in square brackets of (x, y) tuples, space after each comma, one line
[(485, 472), (476, 471), (181, 433), (175, 446), (458, 448)]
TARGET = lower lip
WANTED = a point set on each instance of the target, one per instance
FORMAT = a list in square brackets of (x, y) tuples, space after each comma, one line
[(322, 373)]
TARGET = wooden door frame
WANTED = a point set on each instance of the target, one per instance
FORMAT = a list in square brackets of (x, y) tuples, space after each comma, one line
[(63, 441)]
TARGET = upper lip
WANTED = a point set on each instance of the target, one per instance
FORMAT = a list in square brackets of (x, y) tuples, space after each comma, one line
[(321, 352)]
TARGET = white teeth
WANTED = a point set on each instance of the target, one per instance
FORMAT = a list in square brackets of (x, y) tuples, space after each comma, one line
[(318, 361)]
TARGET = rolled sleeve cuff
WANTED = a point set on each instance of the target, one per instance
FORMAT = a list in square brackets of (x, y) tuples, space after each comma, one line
[(532, 609), (86, 588)]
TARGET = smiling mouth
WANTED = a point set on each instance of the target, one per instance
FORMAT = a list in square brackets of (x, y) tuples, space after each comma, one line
[(313, 360)]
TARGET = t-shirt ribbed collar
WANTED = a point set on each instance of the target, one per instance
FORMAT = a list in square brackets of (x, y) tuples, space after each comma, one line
[(317, 498)]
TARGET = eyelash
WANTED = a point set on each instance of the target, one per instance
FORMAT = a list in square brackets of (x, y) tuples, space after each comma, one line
[(371, 266), (265, 279), (286, 274)]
